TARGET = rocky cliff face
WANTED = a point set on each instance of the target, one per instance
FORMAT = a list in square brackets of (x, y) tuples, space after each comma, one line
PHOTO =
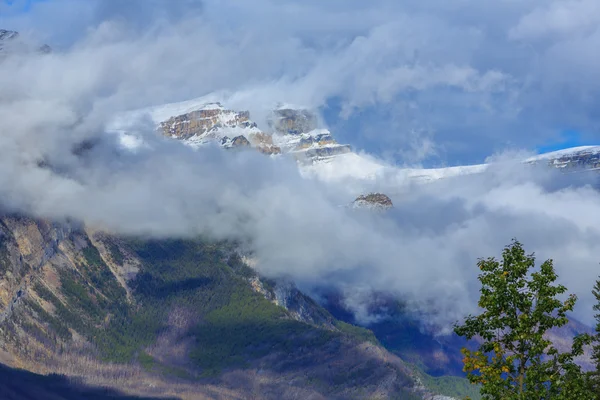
[(292, 121), (293, 131), (296, 131), (214, 123), (578, 158), (206, 123)]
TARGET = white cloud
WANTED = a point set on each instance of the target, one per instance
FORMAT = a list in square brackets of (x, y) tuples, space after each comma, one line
[(558, 18), (451, 69)]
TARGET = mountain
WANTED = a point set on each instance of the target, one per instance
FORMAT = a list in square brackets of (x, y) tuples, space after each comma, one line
[(574, 158), (6, 37), (197, 123), (10, 42), (296, 131), (401, 332), (176, 318), (212, 122)]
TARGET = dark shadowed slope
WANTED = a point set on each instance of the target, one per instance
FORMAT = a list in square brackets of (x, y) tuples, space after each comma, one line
[(17, 384)]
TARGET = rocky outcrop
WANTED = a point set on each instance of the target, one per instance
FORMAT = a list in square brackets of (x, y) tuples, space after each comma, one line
[(322, 138), (301, 307), (290, 121), (206, 123), (585, 158), (317, 153), (236, 142), (263, 142), (296, 131), (213, 122), (377, 201), (292, 131)]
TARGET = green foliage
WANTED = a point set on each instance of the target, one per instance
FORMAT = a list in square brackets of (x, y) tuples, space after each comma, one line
[(249, 326), (95, 305), (452, 386), (202, 281), (54, 323), (99, 274), (115, 253), (79, 295), (236, 324), (515, 360), (5, 263), (146, 361), (594, 376), (356, 332), (92, 255)]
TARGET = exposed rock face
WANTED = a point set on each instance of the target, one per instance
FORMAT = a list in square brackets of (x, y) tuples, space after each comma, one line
[(321, 139), (213, 122), (206, 123), (288, 121), (296, 131), (238, 141), (301, 307), (292, 131), (377, 201), (586, 158)]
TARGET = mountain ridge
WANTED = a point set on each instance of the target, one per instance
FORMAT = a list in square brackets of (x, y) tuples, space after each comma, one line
[(296, 131), (184, 318)]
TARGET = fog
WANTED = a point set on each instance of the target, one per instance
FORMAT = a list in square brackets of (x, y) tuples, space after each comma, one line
[(387, 57)]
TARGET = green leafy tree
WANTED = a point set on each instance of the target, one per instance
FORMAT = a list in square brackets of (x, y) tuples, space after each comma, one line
[(519, 305), (594, 376)]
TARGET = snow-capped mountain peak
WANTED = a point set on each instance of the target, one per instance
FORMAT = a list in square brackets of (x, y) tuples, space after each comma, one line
[(297, 132)]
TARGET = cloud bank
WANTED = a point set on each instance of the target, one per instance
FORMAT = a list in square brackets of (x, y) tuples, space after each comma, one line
[(437, 68), (472, 78)]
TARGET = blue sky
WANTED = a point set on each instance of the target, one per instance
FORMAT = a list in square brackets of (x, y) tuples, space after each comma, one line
[(19, 6), (569, 138), (432, 83)]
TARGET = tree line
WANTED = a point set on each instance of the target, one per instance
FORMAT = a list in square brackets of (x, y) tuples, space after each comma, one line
[(515, 359)]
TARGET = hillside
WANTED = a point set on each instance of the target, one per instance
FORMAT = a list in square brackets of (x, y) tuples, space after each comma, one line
[(175, 318)]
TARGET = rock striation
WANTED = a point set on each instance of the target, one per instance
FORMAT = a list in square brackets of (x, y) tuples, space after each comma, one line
[(293, 131), (212, 122)]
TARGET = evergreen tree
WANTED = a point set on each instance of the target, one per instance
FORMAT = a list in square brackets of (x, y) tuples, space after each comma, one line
[(519, 305)]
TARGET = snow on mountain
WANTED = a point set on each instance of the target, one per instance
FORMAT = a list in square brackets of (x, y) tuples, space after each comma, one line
[(586, 157), (572, 151), (362, 167), (197, 122), (296, 131), (11, 42)]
